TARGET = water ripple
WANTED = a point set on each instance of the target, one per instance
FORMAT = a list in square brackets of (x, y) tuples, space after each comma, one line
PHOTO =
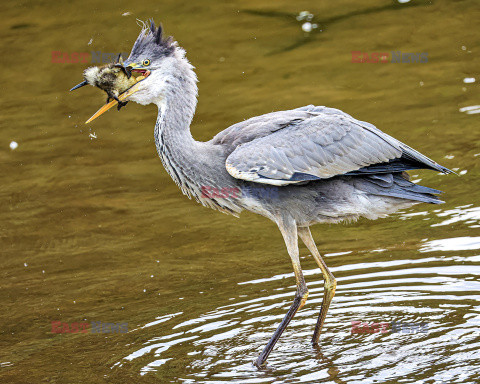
[(441, 291)]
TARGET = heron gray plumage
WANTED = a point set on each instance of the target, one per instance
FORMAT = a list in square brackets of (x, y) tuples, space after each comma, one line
[(297, 168)]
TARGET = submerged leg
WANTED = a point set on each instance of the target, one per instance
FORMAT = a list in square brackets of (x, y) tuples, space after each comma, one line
[(289, 232), (330, 282)]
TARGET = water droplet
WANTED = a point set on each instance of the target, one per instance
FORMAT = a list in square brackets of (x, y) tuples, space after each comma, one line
[(307, 27), (304, 15)]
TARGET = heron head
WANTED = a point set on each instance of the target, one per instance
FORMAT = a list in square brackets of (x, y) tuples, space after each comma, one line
[(150, 60), (151, 56)]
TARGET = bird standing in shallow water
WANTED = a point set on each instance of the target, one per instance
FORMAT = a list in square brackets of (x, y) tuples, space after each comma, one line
[(299, 167)]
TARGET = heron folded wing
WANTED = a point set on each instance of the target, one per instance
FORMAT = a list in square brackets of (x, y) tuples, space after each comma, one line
[(259, 126), (324, 144)]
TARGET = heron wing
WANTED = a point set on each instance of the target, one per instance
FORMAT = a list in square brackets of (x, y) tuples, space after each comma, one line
[(312, 143)]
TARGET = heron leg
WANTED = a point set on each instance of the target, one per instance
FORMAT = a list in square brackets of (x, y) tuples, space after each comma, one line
[(289, 232), (330, 281)]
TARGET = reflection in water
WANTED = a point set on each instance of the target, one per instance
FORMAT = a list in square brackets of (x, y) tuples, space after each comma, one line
[(323, 23), (455, 244), (467, 214), (219, 346), (471, 110)]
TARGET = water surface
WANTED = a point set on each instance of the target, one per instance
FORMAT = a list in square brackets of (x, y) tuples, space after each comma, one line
[(93, 229)]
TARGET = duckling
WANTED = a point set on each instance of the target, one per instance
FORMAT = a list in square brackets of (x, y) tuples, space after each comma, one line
[(113, 78)]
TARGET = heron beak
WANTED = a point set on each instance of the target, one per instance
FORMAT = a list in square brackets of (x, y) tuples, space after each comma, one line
[(129, 92), (125, 95)]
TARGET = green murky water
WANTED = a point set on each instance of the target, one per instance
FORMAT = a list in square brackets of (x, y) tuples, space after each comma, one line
[(92, 228)]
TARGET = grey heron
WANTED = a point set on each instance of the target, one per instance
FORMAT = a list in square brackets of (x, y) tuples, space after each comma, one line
[(299, 167)]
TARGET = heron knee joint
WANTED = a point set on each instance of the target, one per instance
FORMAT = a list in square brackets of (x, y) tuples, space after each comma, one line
[(331, 283), (303, 297)]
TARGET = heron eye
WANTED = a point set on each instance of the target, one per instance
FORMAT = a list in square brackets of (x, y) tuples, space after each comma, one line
[(146, 63)]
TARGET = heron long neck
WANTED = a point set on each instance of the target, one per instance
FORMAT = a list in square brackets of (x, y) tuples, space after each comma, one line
[(191, 164), (175, 144)]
